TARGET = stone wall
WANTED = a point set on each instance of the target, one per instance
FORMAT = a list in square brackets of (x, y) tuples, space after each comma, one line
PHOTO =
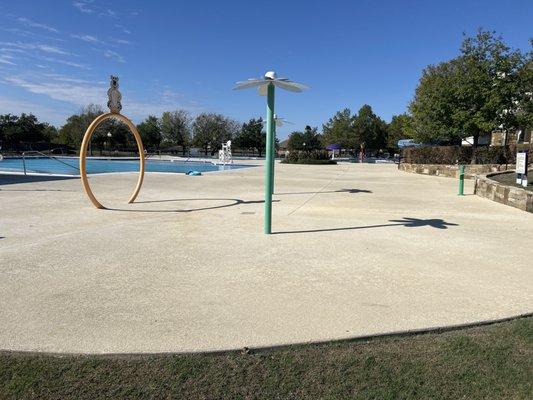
[(452, 171), (508, 195)]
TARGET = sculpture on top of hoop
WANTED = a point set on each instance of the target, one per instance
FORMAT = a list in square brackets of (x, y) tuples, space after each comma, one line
[(224, 155), (114, 96), (115, 106)]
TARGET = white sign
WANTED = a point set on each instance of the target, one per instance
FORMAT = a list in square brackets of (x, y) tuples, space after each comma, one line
[(521, 163)]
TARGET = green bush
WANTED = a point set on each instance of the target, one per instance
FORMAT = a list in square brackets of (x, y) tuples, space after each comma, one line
[(308, 157), (451, 155)]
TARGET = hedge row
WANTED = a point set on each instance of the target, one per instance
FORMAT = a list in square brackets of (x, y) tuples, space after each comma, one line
[(463, 154), (308, 157)]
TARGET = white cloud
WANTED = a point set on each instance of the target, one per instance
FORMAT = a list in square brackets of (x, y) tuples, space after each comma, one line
[(33, 35), (83, 6), (63, 78), (123, 29), (66, 62), (113, 55), (86, 38), (4, 60), (35, 46), (32, 24), (90, 7), (9, 50), (51, 49), (44, 113), (77, 94), (108, 13), (121, 41)]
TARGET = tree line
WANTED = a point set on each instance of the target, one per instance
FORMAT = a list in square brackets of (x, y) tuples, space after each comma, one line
[(175, 131), (487, 87), (15, 130)]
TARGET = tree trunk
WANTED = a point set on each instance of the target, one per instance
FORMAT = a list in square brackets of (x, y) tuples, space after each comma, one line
[(474, 148)]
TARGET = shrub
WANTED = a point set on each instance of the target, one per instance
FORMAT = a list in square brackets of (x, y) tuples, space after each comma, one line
[(308, 157), (463, 154)]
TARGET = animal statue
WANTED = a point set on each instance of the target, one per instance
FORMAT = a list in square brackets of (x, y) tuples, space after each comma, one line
[(114, 96)]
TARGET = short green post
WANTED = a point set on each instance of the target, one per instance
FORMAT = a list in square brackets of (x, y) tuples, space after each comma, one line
[(461, 180), (269, 159)]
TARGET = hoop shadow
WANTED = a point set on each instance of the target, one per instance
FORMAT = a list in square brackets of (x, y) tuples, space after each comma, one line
[(436, 223), (234, 202)]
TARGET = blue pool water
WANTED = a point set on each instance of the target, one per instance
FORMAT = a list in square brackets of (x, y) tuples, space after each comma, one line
[(69, 165)]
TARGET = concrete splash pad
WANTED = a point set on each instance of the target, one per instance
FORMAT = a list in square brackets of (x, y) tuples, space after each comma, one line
[(358, 250)]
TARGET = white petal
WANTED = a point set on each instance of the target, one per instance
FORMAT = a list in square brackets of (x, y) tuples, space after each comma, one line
[(291, 86), (248, 84)]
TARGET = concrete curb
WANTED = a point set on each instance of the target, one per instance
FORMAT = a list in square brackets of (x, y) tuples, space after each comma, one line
[(354, 339)]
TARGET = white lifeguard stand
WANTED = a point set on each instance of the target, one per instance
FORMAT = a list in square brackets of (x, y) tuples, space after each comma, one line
[(224, 155)]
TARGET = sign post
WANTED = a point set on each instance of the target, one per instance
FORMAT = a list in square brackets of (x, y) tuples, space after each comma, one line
[(521, 168)]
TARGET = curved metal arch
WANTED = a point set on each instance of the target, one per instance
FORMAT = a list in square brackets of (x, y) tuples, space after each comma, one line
[(83, 155)]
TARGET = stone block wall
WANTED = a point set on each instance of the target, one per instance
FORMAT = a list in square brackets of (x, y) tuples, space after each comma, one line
[(508, 195), (452, 171)]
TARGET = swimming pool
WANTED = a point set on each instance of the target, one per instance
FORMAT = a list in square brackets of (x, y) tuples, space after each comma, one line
[(70, 165)]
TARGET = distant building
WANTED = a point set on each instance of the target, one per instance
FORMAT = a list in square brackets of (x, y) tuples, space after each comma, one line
[(500, 138)]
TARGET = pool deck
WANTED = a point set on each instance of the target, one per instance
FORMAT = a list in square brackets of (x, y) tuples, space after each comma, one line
[(358, 250)]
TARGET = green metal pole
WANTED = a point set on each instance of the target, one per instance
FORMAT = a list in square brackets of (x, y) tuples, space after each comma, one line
[(461, 180), (269, 160), (274, 155)]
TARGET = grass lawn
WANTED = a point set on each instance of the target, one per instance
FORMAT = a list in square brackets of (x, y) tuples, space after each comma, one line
[(487, 362)]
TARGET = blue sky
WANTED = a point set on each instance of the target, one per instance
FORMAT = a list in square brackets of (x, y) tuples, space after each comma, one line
[(56, 56)]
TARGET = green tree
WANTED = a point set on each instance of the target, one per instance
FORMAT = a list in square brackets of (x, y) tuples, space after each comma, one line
[(176, 129), (339, 130), (370, 131), (150, 132), (72, 132), (50, 133), (251, 136), (473, 94), (307, 140), (399, 128), (210, 130), (16, 131), (517, 89), (109, 134), (8, 131)]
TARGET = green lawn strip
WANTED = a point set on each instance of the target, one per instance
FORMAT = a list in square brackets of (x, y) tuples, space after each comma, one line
[(493, 361)]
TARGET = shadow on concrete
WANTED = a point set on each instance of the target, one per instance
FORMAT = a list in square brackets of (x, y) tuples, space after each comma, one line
[(14, 179), (328, 191), (436, 223), (233, 202)]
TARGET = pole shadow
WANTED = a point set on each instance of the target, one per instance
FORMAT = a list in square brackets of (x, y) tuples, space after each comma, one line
[(352, 191), (436, 223), (233, 202)]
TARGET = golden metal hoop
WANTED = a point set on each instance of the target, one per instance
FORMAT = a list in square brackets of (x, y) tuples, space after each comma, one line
[(83, 155)]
